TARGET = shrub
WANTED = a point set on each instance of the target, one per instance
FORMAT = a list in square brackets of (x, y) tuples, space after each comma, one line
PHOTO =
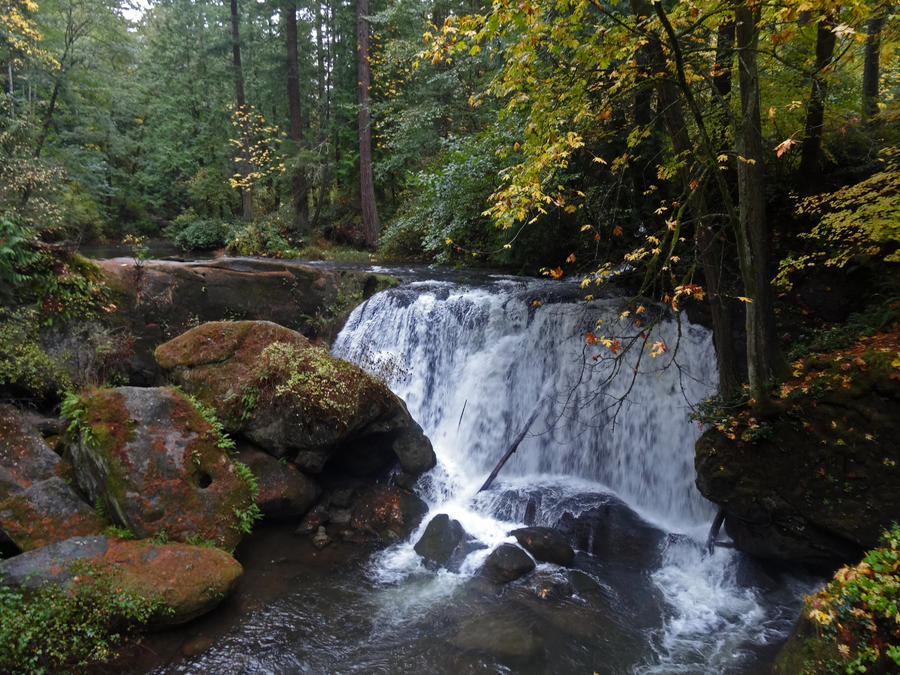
[(195, 233), (858, 613), (54, 628)]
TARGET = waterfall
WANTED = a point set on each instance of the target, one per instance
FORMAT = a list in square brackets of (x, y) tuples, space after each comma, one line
[(472, 362)]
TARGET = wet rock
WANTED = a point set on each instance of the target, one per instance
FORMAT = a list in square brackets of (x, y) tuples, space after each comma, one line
[(500, 632), (292, 399), (506, 563), (389, 513), (442, 537), (545, 544), (155, 462), (47, 511), (284, 492), (612, 531), (187, 580)]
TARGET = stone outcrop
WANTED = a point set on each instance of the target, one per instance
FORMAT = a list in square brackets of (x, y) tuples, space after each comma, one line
[(294, 400), (157, 300), (155, 462), (187, 581), (816, 482)]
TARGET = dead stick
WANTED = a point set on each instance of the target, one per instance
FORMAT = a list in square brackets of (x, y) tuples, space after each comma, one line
[(512, 449)]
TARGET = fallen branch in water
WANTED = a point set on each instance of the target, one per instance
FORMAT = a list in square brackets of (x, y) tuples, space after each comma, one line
[(512, 448)]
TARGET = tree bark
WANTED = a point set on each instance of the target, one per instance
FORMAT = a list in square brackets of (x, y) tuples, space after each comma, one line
[(298, 175), (243, 163), (871, 67), (366, 177), (752, 239), (811, 157)]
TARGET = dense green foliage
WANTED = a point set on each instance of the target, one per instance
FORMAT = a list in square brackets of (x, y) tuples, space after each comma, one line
[(55, 629)]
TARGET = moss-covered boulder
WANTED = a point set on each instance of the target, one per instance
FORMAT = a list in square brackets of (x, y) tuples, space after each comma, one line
[(24, 454), (816, 482), (37, 507), (156, 463), (294, 400), (180, 581), (46, 512)]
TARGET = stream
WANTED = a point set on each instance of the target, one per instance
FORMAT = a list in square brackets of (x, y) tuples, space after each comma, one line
[(608, 460)]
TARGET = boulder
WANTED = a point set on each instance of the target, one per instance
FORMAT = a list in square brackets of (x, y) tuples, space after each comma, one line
[(186, 580), (45, 512), (284, 492), (506, 563), (816, 482), (24, 455), (441, 539), (36, 506), (545, 544), (155, 462), (612, 532), (292, 399), (387, 512)]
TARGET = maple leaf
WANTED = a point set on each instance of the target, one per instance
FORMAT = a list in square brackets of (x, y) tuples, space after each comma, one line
[(556, 273), (617, 231), (784, 146), (571, 258)]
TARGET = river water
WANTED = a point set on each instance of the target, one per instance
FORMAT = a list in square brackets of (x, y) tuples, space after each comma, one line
[(608, 459)]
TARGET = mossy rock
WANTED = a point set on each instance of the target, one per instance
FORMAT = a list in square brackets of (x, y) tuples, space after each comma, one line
[(156, 463), (815, 483), (181, 581), (290, 398)]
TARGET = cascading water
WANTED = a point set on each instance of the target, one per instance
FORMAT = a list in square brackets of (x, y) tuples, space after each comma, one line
[(473, 362), (607, 461)]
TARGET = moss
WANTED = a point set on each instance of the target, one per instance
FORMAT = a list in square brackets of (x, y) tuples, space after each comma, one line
[(317, 386)]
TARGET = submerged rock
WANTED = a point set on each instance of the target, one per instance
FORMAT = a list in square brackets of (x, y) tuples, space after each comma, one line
[(292, 399), (506, 563), (155, 462), (545, 544), (187, 581), (500, 632)]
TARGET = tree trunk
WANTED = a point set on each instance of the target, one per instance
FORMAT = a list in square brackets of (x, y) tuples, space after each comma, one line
[(366, 178), (811, 157), (243, 164), (871, 67), (298, 176), (752, 239), (671, 110)]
